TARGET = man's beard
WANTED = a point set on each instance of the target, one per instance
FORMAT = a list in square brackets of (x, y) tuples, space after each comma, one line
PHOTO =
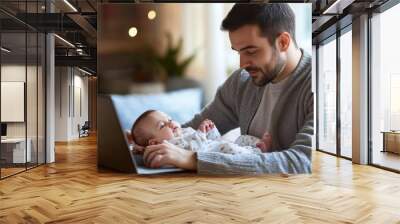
[(267, 77)]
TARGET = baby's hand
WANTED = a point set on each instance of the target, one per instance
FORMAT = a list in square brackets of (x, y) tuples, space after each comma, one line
[(154, 141), (265, 143), (206, 125)]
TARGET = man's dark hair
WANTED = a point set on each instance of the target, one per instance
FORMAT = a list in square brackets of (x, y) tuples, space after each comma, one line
[(272, 19), (137, 135)]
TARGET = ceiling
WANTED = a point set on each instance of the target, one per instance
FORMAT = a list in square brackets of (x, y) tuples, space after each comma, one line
[(76, 22)]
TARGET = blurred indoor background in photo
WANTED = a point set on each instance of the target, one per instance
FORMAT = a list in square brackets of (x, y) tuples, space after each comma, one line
[(152, 48)]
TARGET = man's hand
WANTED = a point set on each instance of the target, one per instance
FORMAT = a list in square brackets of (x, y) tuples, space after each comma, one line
[(138, 149), (265, 143), (166, 153), (206, 125)]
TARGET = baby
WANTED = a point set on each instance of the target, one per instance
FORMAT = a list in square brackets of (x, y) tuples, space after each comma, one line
[(153, 127)]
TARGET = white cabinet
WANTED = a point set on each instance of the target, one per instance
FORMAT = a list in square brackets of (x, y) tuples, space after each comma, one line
[(15, 148)]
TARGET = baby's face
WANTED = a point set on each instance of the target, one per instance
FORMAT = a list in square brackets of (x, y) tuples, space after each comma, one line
[(161, 127)]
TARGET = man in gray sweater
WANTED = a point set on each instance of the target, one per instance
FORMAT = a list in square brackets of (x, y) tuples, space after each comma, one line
[(270, 93)]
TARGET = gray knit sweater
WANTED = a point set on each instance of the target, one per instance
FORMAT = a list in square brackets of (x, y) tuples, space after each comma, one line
[(235, 105)]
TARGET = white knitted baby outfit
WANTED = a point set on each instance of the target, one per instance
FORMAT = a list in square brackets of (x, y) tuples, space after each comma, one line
[(211, 142)]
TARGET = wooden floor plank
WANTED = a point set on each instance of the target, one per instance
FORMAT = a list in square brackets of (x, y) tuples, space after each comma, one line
[(74, 190)]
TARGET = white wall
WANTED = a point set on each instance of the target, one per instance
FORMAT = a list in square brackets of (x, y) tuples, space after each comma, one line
[(33, 126), (12, 73), (71, 94), (62, 81), (80, 111), (16, 73)]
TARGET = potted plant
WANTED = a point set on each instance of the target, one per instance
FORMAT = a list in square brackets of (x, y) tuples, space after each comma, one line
[(175, 66), (146, 66), (147, 74)]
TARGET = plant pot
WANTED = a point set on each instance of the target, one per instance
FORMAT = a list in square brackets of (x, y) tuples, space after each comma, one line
[(177, 83)]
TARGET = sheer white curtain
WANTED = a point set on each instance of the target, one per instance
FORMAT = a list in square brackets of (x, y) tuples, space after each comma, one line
[(202, 34), (303, 15)]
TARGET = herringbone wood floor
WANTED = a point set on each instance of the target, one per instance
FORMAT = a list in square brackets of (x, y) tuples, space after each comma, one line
[(73, 190)]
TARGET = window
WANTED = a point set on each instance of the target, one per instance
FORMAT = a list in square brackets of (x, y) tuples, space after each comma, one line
[(346, 94), (385, 89), (327, 97), (22, 76)]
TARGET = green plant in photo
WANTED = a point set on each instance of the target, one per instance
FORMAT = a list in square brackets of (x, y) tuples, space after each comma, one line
[(146, 66), (171, 61)]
